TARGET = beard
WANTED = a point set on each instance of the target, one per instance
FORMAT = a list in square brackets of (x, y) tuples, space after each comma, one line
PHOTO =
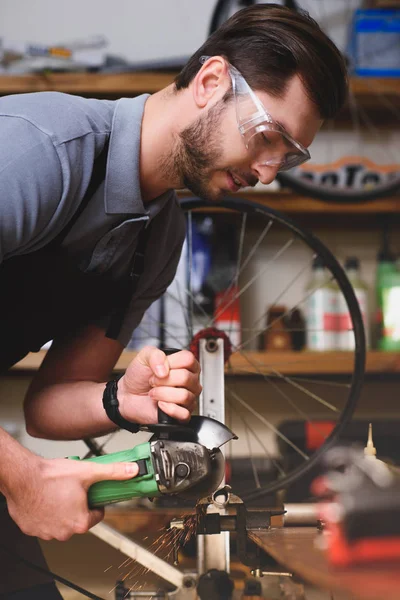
[(198, 149)]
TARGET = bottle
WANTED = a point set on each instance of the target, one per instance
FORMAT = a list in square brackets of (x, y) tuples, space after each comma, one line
[(345, 336), (370, 450), (321, 309), (388, 298)]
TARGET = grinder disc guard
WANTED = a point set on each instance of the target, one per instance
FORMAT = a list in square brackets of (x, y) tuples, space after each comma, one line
[(212, 434), (209, 433), (205, 431)]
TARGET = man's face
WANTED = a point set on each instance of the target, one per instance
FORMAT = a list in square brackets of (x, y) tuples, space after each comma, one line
[(212, 159)]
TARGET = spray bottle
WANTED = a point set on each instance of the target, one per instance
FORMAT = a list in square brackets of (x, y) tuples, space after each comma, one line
[(321, 309)]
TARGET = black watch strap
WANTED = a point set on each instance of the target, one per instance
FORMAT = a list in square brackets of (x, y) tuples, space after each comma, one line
[(111, 406)]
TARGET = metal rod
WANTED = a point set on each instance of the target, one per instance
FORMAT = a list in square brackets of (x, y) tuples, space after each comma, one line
[(300, 514)]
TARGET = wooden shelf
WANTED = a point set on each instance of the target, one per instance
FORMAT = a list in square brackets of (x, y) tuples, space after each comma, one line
[(139, 82), (288, 202), (373, 86), (110, 84), (287, 363)]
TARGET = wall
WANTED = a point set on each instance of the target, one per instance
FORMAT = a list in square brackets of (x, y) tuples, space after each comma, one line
[(135, 29), (140, 29)]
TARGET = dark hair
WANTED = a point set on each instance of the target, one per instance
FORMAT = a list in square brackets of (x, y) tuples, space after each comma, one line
[(269, 44)]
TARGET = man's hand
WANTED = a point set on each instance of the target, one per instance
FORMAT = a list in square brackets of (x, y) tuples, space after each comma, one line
[(49, 497), (153, 379)]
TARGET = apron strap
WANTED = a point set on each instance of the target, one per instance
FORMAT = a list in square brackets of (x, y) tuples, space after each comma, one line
[(97, 178), (135, 272)]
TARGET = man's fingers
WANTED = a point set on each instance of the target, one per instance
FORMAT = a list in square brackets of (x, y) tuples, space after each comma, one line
[(184, 360), (155, 359), (113, 471), (173, 396), (180, 378), (177, 412)]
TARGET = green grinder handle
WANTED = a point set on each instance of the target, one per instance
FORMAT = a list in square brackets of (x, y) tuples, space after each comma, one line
[(144, 485)]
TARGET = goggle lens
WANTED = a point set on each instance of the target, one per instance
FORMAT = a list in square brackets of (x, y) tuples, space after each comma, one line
[(272, 148)]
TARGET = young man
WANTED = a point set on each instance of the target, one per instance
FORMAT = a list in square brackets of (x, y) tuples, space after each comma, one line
[(86, 189)]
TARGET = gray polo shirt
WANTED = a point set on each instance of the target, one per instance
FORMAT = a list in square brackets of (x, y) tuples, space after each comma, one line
[(48, 143)]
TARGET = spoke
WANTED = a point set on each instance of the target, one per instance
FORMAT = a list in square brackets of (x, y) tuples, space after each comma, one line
[(162, 325), (300, 378), (263, 446), (181, 302), (286, 313), (101, 446), (192, 297), (294, 384), (289, 285), (268, 424), (239, 260), (253, 279), (293, 329), (294, 405), (323, 382), (245, 262), (296, 408), (255, 246), (253, 466)]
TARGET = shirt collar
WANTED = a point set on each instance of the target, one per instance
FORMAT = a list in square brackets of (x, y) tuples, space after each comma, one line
[(122, 184)]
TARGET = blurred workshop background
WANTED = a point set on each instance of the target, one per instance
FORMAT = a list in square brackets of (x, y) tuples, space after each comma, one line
[(347, 198)]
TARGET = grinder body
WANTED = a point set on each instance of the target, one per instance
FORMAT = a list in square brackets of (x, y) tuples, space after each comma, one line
[(165, 467), (143, 485)]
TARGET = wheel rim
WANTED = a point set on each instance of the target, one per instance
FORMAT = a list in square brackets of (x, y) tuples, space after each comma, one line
[(252, 212)]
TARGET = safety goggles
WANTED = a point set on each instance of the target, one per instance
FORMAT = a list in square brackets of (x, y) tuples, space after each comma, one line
[(267, 141)]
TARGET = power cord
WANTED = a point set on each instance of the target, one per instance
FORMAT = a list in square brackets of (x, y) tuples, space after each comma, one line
[(56, 577)]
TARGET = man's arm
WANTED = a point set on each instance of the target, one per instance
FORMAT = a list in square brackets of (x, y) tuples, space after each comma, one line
[(48, 498), (64, 400)]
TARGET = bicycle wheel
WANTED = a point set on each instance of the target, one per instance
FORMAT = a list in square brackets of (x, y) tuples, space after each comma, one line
[(261, 261), (356, 156)]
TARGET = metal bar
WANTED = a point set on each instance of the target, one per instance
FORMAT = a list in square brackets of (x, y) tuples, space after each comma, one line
[(213, 550), (136, 552)]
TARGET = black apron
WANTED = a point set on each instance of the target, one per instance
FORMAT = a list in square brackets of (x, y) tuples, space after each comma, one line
[(43, 296)]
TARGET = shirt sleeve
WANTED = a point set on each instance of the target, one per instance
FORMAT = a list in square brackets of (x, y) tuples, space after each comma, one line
[(30, 186)]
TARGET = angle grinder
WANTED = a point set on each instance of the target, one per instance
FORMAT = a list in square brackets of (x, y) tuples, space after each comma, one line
[(179, 459)]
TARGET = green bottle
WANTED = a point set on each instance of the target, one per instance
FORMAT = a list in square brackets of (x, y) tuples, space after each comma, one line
[(388, 299)]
